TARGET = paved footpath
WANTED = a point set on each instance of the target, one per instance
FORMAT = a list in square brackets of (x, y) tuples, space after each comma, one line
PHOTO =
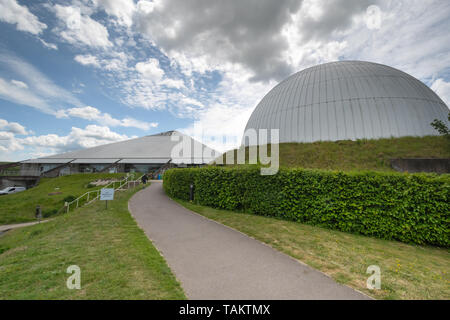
[(213, 261), (7, 227)]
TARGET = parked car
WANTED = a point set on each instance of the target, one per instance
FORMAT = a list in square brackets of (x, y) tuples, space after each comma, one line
[(10, 190)]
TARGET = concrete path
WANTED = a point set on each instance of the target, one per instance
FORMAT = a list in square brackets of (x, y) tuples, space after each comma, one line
[(213, 261), (6, 227)]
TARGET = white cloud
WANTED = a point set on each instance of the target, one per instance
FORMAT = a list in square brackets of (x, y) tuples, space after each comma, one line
[(12, 127), (40, 92), (19, 84), (412, 37), (146, 7), (8, 143), (172, 83), (14, 13), (20, 95), (150, 69), (90, 136), (112, 61), (223, 119), (138, 92), (78, 28), (87, 60), (8, 140), (93, 114), (192, 102), (242, 32), (442, 89), (48, 45), (220, 127), (122, 10)]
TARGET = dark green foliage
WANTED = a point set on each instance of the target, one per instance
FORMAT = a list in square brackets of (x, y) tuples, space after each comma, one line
[(441, 127), (412, 208), (3, 249), (49, 213), (69, 198)]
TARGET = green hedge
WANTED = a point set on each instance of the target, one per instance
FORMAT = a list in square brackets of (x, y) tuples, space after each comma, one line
[(412, 208)]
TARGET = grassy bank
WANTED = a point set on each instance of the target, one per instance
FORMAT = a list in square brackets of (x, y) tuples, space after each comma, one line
[(407, 272), (362, 154), (49, 194), (117, 260)]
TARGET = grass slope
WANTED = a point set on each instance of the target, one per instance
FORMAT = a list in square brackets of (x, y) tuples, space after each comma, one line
[(361, 154), (20, 207), (116, 258), (407, 272)]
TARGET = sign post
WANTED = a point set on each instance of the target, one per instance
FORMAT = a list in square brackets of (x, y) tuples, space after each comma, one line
[(107, 194)]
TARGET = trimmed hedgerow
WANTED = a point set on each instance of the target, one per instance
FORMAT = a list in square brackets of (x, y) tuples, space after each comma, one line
[(412, 208)]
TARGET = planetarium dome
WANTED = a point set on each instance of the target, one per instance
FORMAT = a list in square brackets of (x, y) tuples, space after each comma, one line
[(349, 100)]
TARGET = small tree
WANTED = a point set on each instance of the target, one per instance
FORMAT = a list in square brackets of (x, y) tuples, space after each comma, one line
[(441, 127)]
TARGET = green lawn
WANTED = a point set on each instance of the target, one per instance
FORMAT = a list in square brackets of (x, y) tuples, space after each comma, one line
[(116, 258), (407, 271), (362, 154), (49, 194)]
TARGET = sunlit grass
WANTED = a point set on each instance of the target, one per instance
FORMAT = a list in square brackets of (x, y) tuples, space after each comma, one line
[(116, 258), (361, 154), (49, 194)]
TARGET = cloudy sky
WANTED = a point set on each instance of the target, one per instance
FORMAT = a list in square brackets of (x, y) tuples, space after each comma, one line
[(79, 73)]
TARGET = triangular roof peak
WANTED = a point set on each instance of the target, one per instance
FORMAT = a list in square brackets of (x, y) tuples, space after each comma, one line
[(157, 146), (167, 133)]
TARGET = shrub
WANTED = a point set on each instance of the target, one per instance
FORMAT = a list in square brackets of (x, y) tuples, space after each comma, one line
[(3, 249), (412, 208), (49, 213), (69, 198)]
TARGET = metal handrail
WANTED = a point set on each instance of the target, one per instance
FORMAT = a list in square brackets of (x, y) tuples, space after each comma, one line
[(121, 184)]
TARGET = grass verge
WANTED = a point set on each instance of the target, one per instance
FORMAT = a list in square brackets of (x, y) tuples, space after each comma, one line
[(116, 258), (407, 271), (360, 155), (49, 194)]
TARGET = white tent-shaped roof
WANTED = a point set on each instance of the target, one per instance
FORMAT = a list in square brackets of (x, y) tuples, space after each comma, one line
[(153, 149)]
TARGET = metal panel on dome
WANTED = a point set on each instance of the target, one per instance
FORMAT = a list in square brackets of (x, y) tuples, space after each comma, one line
[(349, 100)]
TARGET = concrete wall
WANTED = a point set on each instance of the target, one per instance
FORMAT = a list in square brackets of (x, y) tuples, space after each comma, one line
[(18, 181)]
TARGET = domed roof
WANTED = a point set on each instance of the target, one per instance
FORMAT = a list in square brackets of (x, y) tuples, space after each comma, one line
[(349, 100)]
